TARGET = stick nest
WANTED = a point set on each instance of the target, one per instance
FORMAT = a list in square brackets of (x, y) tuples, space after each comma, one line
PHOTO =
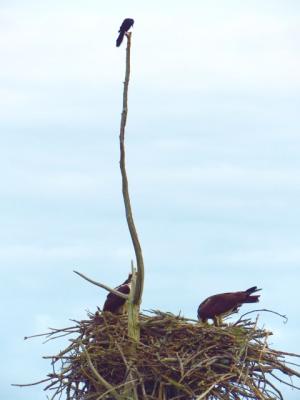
[(176, 358)]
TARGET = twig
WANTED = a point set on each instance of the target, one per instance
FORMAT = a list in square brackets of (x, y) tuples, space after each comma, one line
[(109, 289), (265, 310), (30, 384), (274, 388), (103, 395), (221, 379)]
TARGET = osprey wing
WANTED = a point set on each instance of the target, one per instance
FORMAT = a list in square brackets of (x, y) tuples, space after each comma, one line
[(216, 305), (113, 303), (225, 303)]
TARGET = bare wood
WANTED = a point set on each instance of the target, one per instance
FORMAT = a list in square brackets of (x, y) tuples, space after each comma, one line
[(262, 309), (109, 289), (222, 378), (137, 281), (29, 384), (133, 311), (137, 296)]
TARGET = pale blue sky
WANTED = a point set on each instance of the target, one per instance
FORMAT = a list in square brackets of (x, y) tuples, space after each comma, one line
[(213, 147)]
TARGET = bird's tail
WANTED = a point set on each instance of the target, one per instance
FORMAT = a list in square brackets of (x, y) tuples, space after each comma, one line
[(249, 298), (251, 290), (120, 38)]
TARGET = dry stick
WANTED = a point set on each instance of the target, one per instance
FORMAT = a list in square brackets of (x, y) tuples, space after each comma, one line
[(222, 378), (262, 309), (276, 391), (131, 226), (30, 384), (108, 391), (137, 279), (109, 289)]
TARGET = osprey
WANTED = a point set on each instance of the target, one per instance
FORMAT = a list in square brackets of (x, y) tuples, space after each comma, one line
[(114, 303), (223, 304), (126, 25)]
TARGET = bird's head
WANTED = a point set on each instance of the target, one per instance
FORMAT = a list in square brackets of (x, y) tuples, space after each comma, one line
[(128, 280)]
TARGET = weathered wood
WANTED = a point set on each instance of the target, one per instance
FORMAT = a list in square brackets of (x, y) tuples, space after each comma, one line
[(137, 282), (138, 292)]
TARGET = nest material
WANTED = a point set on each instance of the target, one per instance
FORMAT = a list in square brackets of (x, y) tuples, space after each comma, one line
[(176, 358)]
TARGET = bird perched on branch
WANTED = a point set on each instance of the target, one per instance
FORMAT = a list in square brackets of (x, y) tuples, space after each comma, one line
[(116, 304), (126, 25), (221, 305)]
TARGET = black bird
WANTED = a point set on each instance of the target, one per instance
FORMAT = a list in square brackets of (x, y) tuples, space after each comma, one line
[(114, 303), (221, 305), (126, 25)]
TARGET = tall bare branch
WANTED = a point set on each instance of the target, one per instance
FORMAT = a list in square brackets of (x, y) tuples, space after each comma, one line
[(132, 229)]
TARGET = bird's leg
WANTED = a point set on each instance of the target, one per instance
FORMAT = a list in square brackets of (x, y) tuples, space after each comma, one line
[(218, 320)]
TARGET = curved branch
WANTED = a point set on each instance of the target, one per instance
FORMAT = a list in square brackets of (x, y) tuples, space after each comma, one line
[(262, 309), (109, 289), (137, 296)]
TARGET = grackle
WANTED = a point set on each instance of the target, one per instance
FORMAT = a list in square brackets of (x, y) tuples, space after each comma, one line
[(126, 25)]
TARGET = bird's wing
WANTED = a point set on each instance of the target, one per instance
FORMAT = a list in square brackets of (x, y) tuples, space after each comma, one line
[(218, 304), (114, 302)]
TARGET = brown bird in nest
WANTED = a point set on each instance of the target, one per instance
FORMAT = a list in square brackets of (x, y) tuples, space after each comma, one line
[(116, 304), (221, 305)]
